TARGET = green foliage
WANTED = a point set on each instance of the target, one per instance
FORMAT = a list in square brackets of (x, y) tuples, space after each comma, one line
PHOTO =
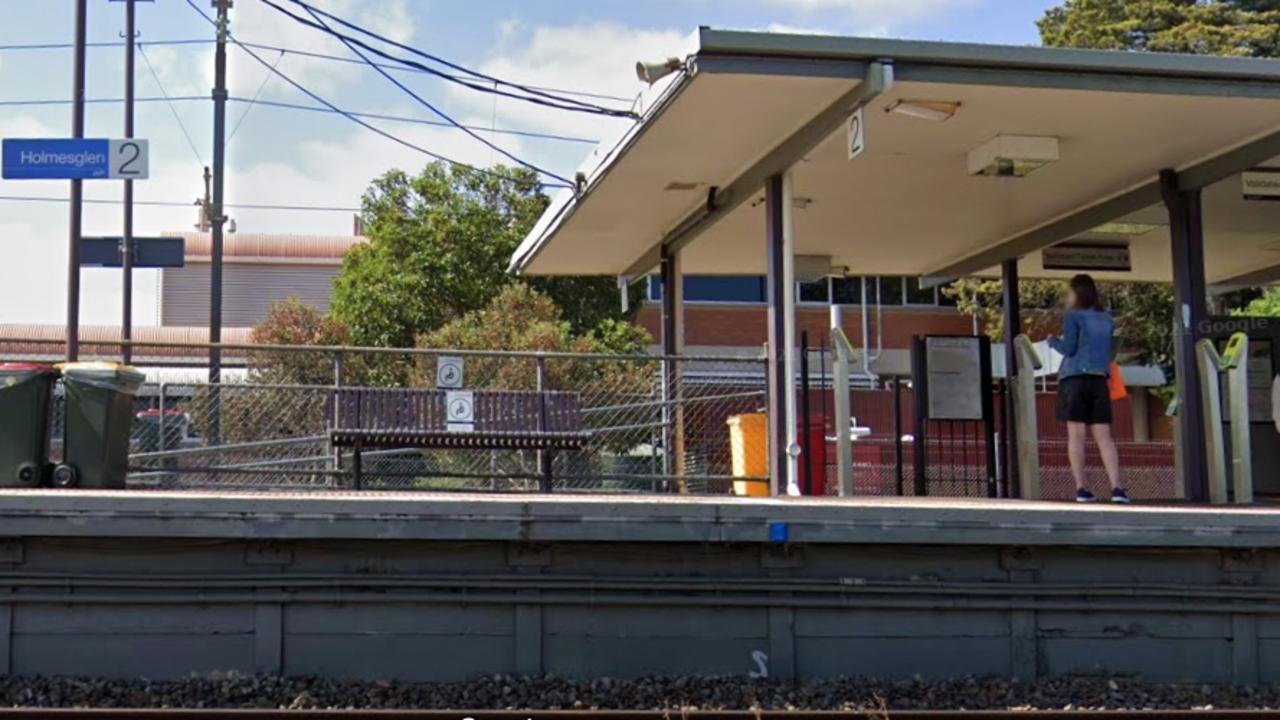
[(439, 247), (1266, 306), (1143, 313), (1245, 28), (521, 318), (293, 322)]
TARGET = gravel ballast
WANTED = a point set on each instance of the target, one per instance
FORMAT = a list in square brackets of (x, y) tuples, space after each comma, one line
[(553, 693)]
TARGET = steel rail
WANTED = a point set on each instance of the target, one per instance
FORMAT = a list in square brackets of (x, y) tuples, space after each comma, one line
[(667, 714)]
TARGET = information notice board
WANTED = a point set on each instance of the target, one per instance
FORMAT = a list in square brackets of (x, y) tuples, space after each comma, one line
[(953, 367)]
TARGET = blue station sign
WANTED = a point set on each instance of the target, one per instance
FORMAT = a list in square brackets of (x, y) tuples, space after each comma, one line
[(148, 252), (74, 159)]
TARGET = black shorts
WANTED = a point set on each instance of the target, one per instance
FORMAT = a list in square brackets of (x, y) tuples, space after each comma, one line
[(1085, 399)]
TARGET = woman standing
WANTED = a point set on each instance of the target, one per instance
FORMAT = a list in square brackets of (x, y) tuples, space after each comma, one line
[(1084, 396)]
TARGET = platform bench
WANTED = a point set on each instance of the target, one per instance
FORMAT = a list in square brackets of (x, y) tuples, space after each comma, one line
[(547, 422)]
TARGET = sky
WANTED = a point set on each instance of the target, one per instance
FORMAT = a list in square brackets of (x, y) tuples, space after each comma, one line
[(279, 156)]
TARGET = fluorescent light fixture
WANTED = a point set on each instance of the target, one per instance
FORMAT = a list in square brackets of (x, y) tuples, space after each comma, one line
[(1125, 229), (1014, 156), (935, 110)]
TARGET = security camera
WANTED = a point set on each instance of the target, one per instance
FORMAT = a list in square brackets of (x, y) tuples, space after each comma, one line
[(653, 72)]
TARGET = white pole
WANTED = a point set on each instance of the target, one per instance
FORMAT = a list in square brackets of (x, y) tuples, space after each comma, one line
[(789, 332)]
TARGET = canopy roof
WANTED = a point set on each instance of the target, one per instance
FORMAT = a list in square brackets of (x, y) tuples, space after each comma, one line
[(748, 105)]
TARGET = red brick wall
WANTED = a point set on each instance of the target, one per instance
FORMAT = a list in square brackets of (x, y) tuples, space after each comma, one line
[(745, 325)]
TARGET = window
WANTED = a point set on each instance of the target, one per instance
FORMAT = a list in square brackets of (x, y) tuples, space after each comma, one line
[(890, 291), (818, 291), (917, 295), (847, 291), (753, 289), (716, 288)]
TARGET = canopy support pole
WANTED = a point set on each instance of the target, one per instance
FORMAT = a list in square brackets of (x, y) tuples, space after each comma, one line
[(1186, 228), (1012, 329), (780, 328), (673, 347)]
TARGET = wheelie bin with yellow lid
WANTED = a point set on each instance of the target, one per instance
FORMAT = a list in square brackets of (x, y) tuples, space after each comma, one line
[(26, 393), (99, 417)]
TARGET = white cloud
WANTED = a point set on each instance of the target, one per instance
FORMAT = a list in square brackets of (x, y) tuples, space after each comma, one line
[(255, 22), (877, 17), (596, 58)]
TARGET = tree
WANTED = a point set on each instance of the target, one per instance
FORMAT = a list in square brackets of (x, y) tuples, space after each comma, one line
[(523, 319), (293, 322), (1246, 28), (1143, 312), (439, 245), (1266, 306)]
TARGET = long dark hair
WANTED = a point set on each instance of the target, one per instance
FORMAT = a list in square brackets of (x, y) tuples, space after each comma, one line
[(1087, 295)]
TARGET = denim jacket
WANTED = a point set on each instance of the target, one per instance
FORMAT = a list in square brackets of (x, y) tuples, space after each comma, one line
[(1085, 343)]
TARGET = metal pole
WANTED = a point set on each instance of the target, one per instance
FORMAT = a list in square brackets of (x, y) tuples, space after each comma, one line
[(77, 188), (777, 349), (126, 252), (1190, 292), (806, 422), (217, 220), (673, 347), (1012, 329)]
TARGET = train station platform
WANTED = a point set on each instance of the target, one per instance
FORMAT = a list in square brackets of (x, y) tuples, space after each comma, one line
[(647, 519)]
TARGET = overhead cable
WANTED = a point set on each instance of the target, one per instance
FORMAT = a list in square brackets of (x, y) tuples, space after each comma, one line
[(523, 93), (373, 128), (422, 101)]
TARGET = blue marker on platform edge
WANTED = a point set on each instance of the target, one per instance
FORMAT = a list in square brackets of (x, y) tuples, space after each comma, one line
[(779, 533)]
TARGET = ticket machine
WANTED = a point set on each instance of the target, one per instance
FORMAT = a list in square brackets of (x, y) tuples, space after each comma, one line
[(1245, 363)]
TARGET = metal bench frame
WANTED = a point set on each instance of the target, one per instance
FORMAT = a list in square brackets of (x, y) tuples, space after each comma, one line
[(533, 436)]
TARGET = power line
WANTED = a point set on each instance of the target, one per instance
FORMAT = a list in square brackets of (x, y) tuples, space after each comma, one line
[(306, 108), (266, 78), (313, 55), (536, 97), (470, 133), (191, 143), (176, 203), (353, 118)]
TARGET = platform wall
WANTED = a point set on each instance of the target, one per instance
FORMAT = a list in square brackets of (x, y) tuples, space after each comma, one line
[(441, 611)]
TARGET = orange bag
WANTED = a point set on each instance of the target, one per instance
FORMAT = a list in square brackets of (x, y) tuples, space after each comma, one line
[(1115, 381)]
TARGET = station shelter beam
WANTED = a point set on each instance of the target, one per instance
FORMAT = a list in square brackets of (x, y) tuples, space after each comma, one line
[(1186, 228), (672, 348)]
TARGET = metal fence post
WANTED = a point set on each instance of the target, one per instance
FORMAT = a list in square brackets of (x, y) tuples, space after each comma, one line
[(160, 424), (545, 458), (338, 367)]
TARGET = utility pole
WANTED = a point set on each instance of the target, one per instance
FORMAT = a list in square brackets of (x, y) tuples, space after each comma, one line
[(126, 252), (77, 188), (217, 217)]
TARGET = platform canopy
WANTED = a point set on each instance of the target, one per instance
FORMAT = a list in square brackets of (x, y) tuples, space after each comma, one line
[(745, 106)]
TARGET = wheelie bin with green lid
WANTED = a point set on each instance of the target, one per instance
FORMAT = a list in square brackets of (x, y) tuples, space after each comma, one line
[(26, 393), (99, 417)]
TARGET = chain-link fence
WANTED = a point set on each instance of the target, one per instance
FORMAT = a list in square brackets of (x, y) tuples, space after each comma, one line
[(278, 418)]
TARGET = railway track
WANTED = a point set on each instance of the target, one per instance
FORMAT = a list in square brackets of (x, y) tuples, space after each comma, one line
[(228, 714)]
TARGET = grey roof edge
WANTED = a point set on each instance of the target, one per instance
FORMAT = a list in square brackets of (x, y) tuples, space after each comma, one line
[(735, 42), (596, 170)]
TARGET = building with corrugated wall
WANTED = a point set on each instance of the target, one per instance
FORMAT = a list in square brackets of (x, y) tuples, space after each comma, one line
[(258, 271)]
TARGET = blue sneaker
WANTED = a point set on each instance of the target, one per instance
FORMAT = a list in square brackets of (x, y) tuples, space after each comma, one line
[(1121, 496), (1084, 496)]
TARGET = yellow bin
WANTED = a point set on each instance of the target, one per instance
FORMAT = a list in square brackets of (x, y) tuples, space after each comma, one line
[(749, 442)]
